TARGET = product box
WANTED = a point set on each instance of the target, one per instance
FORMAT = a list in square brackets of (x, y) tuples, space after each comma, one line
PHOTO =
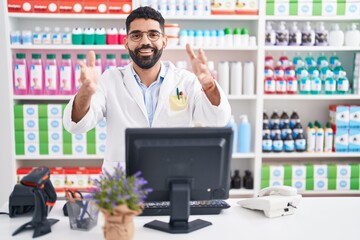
[(354, 184), (71, 6), (223, 7), (54, 124), (320, 184), (119, 6), (45, 6), (276, 172), (247, 7), (30, 111), (354, 117), (100, 148), (91, 148), (352, 8), (24, 6), (341, 140), (320, 171), (343, 184), (299, 184), (354, 140), (100, 137), (55, 149), (57, 178), (31, 136), (95, 6), (305, 8), (31, 149), (76, 178), (298, 172), (330, 7), (339, 116), (276, 182), (343, 171), (54, 111), (22, 172), (93, 174), (79, 138), (55, 136), (79, 148)]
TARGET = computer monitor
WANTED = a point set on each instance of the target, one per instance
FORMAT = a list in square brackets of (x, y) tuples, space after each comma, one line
[(181, 164)]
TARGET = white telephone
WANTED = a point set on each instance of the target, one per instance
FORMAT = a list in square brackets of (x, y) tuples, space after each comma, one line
[(274, 201)]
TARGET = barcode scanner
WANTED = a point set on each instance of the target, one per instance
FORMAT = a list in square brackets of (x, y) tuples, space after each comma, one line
[(39, 180)]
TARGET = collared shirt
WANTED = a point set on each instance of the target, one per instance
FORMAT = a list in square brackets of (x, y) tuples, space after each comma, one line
[(151, 93)]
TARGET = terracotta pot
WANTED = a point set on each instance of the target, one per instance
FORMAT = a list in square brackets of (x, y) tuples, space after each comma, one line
[(120, 224)]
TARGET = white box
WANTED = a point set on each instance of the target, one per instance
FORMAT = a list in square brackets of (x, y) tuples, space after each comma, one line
[(276, 172), (281, 8), (320, 184), (79, 148), (31, 110), (354, 140), (343, 184), (343, 171), (54, 124), (298, 172), (31, 124), (329, 8), (54, 111), (101, 125), (100, 136), (55, 136), (341, 140), (31, 136), (100, 148), (276, 182), (305, 8), (55, 148), (31, 149), (354, 117), (352, 9), (299, 184), (79, 138), (320, 171)]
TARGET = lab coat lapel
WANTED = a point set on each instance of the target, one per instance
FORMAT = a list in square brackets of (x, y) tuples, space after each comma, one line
[(169, 84), (134, 89)]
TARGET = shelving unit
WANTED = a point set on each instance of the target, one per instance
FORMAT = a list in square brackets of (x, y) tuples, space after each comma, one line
[(310, 107)]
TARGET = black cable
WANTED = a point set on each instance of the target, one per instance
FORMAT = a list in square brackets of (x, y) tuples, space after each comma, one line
[(4, 213)]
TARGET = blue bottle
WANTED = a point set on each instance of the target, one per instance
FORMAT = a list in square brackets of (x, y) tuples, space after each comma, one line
[(244, 134), (233, 126)]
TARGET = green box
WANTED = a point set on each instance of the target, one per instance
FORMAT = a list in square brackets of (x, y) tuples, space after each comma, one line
[(264, 184), (18, 111), (265, 172), (91, 148), (309, 171), (309, 184), (67, 149), (288, 172), (331, 184), (332, 171), (354, 170), (44, 148), (354, 184), (19, 148), (19, 137), (90, 136)]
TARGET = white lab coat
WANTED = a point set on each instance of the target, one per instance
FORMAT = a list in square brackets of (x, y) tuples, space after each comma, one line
[(119, 99)]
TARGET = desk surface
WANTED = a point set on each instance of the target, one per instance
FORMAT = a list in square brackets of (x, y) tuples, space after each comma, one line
[(317, 218)]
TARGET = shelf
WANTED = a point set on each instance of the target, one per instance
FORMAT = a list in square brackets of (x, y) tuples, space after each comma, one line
[(124, 16), (312, 18), (234, 193), (242, 97), (60, 157), (243, 155), (310, 155), (119, 47), (310, 97), (310, 48), (330, 192), (42, 97)]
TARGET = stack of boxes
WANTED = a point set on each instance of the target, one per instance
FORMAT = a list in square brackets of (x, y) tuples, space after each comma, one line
[(308, 177), (312, 8), (345, 122), (39, 131)]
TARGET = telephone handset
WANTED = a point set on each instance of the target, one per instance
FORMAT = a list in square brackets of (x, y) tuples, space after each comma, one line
[(278, 190)]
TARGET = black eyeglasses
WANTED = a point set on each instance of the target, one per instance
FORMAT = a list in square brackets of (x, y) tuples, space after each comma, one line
[(152, 35)]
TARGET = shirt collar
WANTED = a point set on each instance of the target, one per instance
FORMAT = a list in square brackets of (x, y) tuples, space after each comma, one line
[(163, 71)]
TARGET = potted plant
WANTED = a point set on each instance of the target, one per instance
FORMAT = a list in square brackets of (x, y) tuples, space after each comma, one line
[(119, 198)]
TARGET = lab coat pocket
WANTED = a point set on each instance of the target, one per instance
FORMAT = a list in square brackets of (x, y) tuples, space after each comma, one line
[(178, 103)]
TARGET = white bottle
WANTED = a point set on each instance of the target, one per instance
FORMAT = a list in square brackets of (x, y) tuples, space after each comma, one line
[(294, 35), (56, 36), (213, 72), (233, 126), (321, 36), (66, 36), (319, 139), (224, 76), (352, 36), (270, 36), (329, 136), (37, 36), (249, 78), (46, 37), (235, 78), (244, 135), (336, 36), (282, 35), (310, 138), (307, 35)]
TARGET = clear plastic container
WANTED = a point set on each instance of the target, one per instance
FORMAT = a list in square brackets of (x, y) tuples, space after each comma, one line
[(51, 75), (36, 75), (20, 77), (65, 83)]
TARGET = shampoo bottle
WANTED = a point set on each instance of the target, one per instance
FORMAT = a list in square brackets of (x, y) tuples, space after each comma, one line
[(20, 75), (319, 139), (294, 35), (282, 35), (244, 135), (270, 36), (233, 126), (36, 75), (336, 36), (321, 35), (329, 137), (308, 35), (352, 36), (310, 137)]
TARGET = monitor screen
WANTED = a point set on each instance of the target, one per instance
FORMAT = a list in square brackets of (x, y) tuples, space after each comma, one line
[(181, 164)]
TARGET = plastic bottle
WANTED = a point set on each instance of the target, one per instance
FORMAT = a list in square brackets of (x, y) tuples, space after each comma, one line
[(191, 37), (98, 64), (110, 61), (15, 37), (289, 144), (77, 37), (206, 38), (275, 129), (36, 75), (233, 126), (275, 118), (89, 36), (20, 79), (188, 7), (265, 118), (66, 37), (112, 36), (199, 38), (124, 59), (267, 143), (321, 35), (310, 137), (270, 36), (269, 61), (213, 38), (244, 135), (285, 130), (284, 118), (237, 40), (329, 138), (180, 8), (343, 83), (183, 37), (319, 139), (249, 78), (213, 72), (304, 83), (51, 75), (236, 180), (248, 180), (56, 36), (291, 85), (244, 37), (352, 36), (294, 35), (300, 143), (100, 36), (336, 36), (297, 129), (37, 36), (334, 61), (46, 36), (221, 39), (310, 61), (224, 76), (266, 129), (315, 83), (228, 37), (66, 83), (282, 35), (199, 7), (269, 85), (294, 119), (330, 83), (26, 37), (235, 78), (278, 144), (77, 80)]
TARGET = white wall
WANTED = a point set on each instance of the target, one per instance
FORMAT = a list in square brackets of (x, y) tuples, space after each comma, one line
[(7, 166)]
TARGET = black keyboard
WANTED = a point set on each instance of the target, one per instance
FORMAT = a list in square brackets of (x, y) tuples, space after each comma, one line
[(208, 207)]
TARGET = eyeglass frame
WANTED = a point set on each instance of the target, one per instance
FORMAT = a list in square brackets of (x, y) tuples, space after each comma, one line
[(147, 35)]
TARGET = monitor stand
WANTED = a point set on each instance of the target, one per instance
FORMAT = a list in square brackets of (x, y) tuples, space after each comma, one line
[(179, 212)]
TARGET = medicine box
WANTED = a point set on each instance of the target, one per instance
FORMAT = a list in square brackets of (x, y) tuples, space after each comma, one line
[(339, 116), (76, 178), (54, 111), (320, 184), (55, 149), (354, 140), (341, 140), (223, 7), (298, 172), (320, 171), (354, 117), (57, 178)]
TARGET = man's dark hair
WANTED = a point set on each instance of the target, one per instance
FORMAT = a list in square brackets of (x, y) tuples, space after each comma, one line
[(145, 13)]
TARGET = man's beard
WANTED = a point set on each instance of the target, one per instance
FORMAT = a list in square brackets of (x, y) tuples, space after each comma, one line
[(145, 62)]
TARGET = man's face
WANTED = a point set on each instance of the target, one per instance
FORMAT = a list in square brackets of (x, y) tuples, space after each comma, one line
[(145, 42)]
